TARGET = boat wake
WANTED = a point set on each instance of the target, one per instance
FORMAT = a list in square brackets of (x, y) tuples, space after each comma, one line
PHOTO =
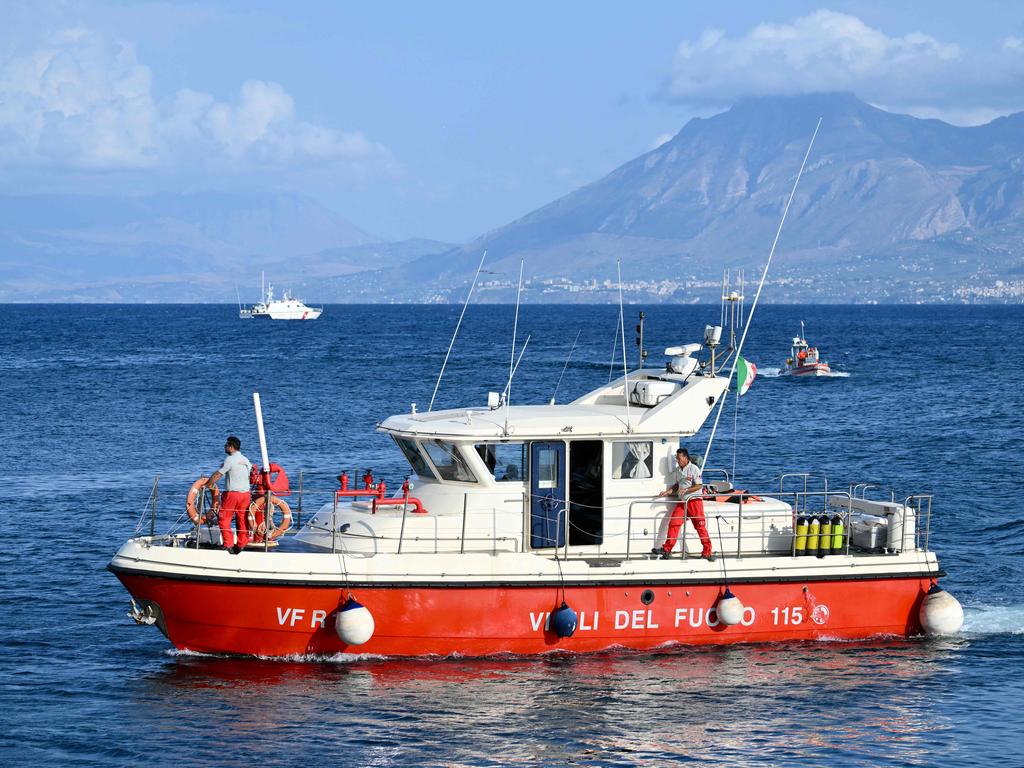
[(769, 373), (993, 620)]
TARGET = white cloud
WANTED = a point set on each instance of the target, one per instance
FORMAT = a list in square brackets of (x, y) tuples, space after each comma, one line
[(81, 101), (830, 51)]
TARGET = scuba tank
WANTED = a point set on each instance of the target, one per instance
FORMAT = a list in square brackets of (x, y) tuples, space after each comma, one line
[(838, 542), (825, 539), (813, 529), (801, 535)]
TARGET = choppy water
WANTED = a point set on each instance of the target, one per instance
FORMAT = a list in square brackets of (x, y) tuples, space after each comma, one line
[(95, 401)]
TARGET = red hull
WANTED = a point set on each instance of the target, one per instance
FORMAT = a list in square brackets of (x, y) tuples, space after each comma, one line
[(253, 619)]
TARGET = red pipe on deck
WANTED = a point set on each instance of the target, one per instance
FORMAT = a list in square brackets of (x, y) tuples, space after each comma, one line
[(416, 504)]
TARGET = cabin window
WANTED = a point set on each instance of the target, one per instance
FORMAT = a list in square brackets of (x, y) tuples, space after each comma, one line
[(547, 468), (632, 460), (505, 461), (414, 457), (448, 461)]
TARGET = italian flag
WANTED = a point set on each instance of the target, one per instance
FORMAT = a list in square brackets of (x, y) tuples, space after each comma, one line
[(745, 373)]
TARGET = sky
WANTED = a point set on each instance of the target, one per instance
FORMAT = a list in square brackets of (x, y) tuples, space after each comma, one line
[(445, 120)]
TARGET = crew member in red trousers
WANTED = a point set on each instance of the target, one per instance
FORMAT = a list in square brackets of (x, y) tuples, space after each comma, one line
[(687, 487), (234, 504)]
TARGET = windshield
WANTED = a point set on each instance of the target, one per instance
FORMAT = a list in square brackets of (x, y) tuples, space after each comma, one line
[(414, 457), (506, 461), (448, 461)]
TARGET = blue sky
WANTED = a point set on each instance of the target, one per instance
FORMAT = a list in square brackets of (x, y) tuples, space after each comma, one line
[(444, 120)]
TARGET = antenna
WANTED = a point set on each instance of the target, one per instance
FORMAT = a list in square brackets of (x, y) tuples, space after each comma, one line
[(615, 343), (753, 306), (457, 326), (519, 360), (512, 359), (625, 370), (567, 359)]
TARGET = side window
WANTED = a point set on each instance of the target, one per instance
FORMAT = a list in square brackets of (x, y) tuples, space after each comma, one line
[(547, 468), (632, 461), (448, 461), (414, 457), (505, 461)]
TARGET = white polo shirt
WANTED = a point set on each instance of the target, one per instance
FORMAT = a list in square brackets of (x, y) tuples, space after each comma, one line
[(235, 470), (687, 476)]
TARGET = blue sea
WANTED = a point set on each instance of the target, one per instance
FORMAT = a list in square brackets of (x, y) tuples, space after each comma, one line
[(97, 401)]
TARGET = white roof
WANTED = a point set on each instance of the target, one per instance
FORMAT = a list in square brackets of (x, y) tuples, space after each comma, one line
[(599, 413)]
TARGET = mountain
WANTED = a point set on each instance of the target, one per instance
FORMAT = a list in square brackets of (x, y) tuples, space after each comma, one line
[(890, 208), (187, 246), (886, 200)]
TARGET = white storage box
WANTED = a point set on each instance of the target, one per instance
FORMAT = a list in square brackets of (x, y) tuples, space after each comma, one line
[(651, 392)]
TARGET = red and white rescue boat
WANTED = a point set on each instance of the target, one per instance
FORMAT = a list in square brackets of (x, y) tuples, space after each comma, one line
[(805, 360), (531, 530)]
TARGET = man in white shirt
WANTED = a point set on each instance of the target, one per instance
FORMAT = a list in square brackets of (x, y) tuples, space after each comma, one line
[(688, 488), (235, 501)]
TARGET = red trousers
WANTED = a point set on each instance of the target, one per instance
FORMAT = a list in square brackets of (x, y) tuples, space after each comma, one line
[(234, 504), (694, 510)]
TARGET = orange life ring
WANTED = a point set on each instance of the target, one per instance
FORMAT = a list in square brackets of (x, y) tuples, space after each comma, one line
[(193, 497), (259, 530)]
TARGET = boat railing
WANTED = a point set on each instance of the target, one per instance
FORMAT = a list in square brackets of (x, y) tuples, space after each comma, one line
[(716, 471), (756, 524), (807, 478), (743, 531)]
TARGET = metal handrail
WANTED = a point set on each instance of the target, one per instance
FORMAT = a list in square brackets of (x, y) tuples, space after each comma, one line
[(801, 502)]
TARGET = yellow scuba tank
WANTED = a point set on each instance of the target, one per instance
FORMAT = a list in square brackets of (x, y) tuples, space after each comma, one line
[(825, 536), (801, 535), (813, 530), (838, 542)]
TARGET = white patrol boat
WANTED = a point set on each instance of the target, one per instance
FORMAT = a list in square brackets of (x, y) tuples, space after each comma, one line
[(286, 308)]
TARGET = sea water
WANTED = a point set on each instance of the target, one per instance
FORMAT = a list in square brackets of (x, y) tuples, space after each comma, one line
[(96, 401)]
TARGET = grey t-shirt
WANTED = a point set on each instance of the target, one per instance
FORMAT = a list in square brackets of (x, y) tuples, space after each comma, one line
[(686, 477), (235, 470)]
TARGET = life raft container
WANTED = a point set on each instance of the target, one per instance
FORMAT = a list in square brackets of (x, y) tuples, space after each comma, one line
[(193, 497), (257, 523)]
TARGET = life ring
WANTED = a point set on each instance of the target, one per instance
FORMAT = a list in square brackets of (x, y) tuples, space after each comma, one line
[(256, 511), (193, 497)]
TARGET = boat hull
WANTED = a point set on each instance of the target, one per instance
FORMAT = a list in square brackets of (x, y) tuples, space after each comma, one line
[(288, 620), (819, 369)]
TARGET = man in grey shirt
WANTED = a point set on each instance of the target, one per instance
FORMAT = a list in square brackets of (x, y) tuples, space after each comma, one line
[(688, 489), (235, 501)]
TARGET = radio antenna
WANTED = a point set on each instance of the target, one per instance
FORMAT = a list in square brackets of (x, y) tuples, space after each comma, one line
[(512, 359), (567, 359), (753, 305), (622, 332), (615, 344), (457, 326), (519, 360)]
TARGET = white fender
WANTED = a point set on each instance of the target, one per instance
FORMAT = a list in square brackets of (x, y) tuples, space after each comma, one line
[(729, 609), (353, 623), (941, 613)]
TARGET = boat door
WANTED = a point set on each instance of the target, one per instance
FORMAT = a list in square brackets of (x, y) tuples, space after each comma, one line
[(547, 495)]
